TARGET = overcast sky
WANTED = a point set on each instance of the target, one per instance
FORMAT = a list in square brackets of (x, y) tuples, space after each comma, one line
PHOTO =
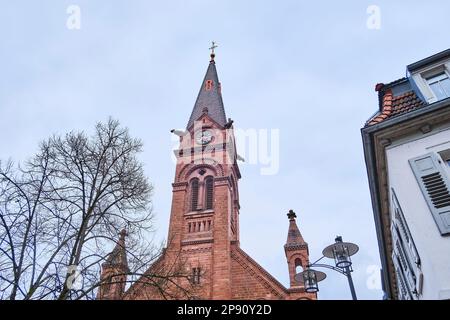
[(306, 68)]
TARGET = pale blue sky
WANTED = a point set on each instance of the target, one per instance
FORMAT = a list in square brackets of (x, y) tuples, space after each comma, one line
[(306, 69)]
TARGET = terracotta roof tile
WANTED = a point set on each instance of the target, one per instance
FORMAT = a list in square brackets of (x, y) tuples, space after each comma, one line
[(406, 102), (394, 106)]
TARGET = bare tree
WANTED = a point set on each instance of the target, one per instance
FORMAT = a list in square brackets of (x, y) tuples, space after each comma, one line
[(61, 213)]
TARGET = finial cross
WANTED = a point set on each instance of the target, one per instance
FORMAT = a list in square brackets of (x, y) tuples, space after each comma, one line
[(213, 46)]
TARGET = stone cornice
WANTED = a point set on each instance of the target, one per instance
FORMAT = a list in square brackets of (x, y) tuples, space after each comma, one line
[(220, 181), (293, 247), (179, 186), (199, 214), (203, 249), (199, 241), (200, 149)]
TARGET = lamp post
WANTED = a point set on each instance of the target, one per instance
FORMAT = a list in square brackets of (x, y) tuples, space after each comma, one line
[(341, 252)]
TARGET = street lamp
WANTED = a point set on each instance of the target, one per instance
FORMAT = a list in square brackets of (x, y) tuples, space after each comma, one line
[(341, 252), (311, 278)]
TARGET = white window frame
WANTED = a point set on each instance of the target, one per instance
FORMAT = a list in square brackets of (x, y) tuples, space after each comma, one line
[(421, 77), (445, 156), (444, 74)]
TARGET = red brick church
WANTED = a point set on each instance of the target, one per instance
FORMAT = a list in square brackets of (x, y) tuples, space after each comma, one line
[(204, 220)]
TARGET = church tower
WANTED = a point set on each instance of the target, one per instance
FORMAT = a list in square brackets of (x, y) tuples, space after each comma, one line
[(205, 205), (203, 236)]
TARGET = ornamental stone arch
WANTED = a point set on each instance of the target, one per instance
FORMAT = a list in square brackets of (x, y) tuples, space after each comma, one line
[(213, 165)]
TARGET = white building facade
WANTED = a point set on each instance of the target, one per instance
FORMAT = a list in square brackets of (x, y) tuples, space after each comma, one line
[(407, 151)]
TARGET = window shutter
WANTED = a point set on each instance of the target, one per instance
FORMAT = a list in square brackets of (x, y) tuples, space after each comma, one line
[(435, 186), (403, 292), (407, 272), (399, 221), (405, 248)]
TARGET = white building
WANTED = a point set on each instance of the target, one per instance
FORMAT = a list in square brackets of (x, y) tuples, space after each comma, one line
[(407, 152)]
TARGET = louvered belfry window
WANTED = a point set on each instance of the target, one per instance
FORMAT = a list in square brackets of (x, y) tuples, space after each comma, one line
[(209, 185), (194, 194)]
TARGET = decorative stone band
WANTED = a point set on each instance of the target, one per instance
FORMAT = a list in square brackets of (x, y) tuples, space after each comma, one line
[(179, 186), (197, 249), (201, 149), (292, 247), (191, 242), (222, 181), (299, 289)]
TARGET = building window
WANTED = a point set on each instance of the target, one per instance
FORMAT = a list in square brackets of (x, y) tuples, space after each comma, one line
[(209, 185), (195, 279), (194, 194), (445, 155), (440, 85)]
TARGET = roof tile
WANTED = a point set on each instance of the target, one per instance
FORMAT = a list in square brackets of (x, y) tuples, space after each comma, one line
[(395, 106)]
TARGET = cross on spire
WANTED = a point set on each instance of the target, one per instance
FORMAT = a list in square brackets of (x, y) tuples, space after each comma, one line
[(213, 46)]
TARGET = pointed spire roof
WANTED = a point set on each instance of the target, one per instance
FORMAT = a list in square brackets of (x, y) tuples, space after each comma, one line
[(209, 99), (294, 238), (118, 257)]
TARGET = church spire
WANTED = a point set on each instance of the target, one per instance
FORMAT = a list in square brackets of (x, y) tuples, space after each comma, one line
[(209, 99), (294, 237), (296, 250)]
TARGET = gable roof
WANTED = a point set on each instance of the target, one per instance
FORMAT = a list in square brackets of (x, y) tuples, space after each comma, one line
[(243, 258)]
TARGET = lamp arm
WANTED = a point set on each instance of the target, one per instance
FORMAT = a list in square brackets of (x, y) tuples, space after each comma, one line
[(315, 262), (319, 265)]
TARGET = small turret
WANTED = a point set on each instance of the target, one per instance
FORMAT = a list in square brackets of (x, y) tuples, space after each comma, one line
[(296, 250), (114, 272)]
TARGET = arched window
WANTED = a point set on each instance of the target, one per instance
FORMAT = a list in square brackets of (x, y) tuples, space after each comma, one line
[(298, 265), (194, 194), (209, 192)]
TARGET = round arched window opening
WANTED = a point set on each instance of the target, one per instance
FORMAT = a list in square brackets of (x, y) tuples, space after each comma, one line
[(298, 266)]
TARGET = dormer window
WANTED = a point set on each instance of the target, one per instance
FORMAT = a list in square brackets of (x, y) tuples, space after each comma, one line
[(440, 85), (431, 76)]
